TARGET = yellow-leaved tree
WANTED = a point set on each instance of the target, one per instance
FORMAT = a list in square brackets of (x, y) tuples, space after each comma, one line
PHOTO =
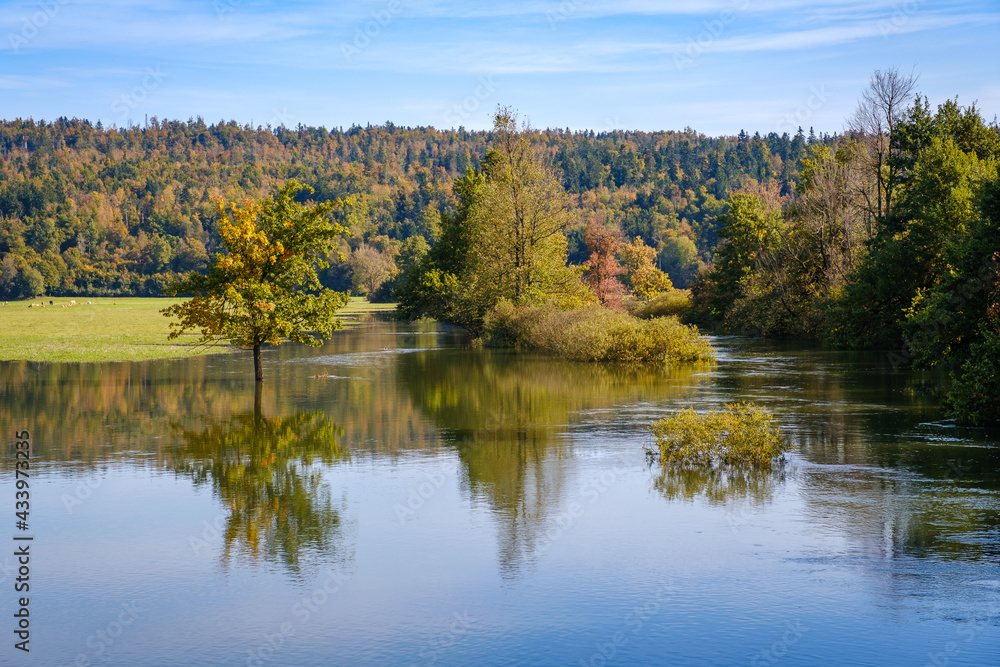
[(265, 288)]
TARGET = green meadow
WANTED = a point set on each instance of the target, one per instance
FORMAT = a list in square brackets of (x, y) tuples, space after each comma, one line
[(109, 329)]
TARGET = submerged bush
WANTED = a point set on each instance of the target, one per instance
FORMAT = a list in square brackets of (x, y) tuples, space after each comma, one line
[(595, 333), (743, 435)]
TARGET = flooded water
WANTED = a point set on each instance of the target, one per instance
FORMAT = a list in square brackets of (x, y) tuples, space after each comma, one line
[(394, 498)]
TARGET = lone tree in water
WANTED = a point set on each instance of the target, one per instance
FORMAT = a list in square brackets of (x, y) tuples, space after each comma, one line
[(265, 288)]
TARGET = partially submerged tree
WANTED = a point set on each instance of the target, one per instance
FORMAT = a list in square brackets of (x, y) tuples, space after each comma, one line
[(265, 288), (505, 242), (518, 220)]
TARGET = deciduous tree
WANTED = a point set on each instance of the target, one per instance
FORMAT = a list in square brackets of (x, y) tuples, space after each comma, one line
[(264, 289), (602, 268)]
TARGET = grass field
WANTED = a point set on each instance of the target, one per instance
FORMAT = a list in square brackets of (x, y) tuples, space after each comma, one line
[(108, 329)]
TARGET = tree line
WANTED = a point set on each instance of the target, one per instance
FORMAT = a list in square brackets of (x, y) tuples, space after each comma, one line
[(891, 241), (91, 210)]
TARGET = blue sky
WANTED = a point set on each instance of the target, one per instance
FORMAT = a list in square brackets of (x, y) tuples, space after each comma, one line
[(718, 67)]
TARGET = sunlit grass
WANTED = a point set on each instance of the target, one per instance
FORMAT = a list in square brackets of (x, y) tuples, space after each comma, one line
[(360, 304), (106, 329)]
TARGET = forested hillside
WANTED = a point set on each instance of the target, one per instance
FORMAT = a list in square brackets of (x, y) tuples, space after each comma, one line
[(90, 210)]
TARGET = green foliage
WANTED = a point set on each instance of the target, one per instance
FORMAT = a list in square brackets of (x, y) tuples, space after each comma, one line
[(371, 268), (678, 255), (838, 262), (506, 241), (947, 161), (741, 435), (672, 303), (595, 333), (30, 283), (643, 277), (266, 287), (432, 288), (974, 397), (517, 221), (758, 283), (99, 199)]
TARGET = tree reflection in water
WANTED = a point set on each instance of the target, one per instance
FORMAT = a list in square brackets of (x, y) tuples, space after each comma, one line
[(508, 416), (266, 472), (719, 485)]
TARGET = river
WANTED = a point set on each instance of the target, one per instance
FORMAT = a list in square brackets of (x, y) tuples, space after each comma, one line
[(395, 498)]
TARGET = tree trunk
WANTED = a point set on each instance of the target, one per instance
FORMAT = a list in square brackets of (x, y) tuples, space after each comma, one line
[(257, 401), (257, 368)]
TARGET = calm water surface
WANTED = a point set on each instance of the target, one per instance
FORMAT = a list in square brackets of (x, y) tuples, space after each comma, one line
[(398, 499)]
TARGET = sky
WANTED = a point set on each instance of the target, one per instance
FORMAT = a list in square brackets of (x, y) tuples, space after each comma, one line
[(715, 66)]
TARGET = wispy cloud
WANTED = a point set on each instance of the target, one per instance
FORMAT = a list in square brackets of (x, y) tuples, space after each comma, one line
[(240, 58)]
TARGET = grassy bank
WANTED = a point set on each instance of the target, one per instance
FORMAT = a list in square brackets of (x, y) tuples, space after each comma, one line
[(106, 329)]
